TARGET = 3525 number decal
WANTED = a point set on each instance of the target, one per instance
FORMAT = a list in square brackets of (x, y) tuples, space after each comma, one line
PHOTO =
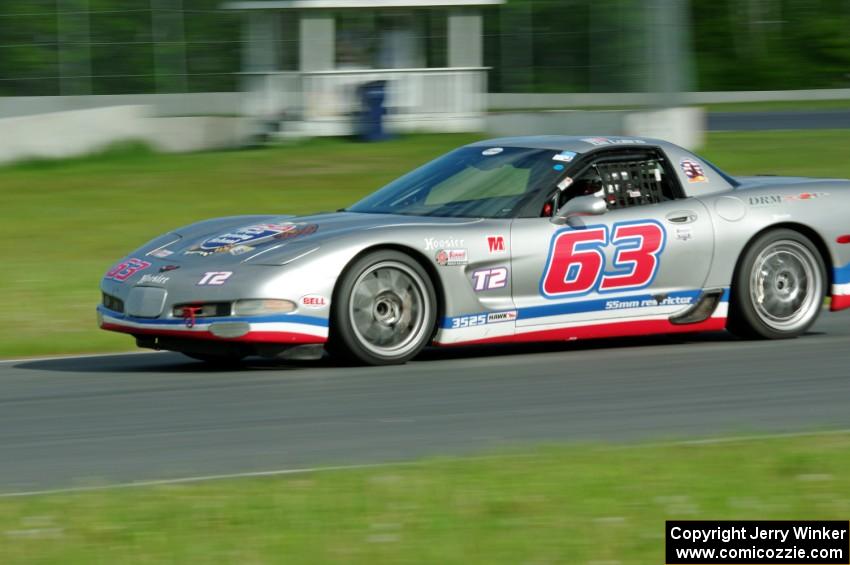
[(576, 262)]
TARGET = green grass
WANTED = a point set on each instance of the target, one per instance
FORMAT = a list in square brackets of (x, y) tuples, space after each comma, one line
[(580, 504), (779, 105), (65, 222), (770, 106)]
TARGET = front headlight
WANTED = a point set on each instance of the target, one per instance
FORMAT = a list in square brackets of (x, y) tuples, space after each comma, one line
[(260, 307)]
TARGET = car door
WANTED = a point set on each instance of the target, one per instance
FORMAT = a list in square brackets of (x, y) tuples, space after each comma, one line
[(646, 258)]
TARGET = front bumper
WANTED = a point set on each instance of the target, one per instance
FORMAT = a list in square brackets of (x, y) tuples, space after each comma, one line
[(279, 329), (840, 288)]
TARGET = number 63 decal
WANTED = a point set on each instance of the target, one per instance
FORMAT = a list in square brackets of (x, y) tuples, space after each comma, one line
[(576, 262)]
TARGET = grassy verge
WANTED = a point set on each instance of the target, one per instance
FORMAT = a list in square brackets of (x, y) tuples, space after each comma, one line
[(769, 106), (555, 505), (779, 106), (64, 223)]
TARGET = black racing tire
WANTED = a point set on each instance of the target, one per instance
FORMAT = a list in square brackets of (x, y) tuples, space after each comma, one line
[(383, 311), (778, 287)]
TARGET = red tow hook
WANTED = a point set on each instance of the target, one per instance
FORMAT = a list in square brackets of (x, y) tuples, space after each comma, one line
[(189, 313)]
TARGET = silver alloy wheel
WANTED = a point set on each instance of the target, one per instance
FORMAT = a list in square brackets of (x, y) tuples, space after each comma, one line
[(786, 287), (388, 309)]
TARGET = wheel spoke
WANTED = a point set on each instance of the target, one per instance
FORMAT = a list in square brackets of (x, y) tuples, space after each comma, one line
[(783, 285), (387, 309)]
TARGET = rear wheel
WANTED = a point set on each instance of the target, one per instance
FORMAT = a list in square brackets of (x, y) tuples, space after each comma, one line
[(778, 288), (384, 310)]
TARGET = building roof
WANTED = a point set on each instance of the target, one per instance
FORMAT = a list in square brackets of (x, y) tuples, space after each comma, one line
[(341, 4)]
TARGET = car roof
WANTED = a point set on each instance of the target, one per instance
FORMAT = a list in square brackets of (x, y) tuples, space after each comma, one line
[(581, 144), (576, 143)]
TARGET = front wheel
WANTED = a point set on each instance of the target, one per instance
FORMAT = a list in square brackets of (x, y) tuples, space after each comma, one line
[(778, 288), (384, 311)]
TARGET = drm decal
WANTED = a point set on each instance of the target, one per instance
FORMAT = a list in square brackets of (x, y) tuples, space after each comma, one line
[(576, 262), (775, 199)]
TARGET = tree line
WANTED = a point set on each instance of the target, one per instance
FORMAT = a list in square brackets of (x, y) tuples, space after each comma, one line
[(50, 47)]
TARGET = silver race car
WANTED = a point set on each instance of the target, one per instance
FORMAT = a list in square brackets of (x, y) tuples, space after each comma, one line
[(506, 240)]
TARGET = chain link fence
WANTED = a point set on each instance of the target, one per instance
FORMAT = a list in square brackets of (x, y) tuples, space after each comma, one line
[(78, 47)]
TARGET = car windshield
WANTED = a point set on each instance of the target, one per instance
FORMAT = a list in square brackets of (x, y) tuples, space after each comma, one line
[(470, 182)]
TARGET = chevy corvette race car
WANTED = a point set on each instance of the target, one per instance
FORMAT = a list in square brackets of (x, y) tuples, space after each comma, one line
[(506, 240)]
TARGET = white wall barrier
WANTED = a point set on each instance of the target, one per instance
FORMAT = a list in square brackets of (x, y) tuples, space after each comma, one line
[(682, 126), (178, 104), (79, 132), (533, 101)]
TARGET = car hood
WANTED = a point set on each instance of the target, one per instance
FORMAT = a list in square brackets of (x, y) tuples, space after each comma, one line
[(274, 239)]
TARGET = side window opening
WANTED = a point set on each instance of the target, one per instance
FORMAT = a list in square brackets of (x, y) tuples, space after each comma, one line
[(624, 181), (633, 183)]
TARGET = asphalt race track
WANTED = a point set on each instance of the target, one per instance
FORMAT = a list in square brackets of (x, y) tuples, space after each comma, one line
[(96, 420)]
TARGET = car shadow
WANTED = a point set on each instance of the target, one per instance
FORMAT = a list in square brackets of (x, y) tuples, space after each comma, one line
[(509, 349), (153, 362), (169, 362)]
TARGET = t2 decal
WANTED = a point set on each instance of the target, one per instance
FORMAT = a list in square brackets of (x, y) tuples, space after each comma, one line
[(490, 279), (215, 278), (576, 262)]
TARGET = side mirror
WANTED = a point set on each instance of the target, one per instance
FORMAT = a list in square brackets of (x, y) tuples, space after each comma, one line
[(580, 206)]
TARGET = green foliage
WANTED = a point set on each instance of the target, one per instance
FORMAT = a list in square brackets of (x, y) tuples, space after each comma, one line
[(120, 49), (603, 45), (531, 45), (771, 45), (553, 504), (565, 46)]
